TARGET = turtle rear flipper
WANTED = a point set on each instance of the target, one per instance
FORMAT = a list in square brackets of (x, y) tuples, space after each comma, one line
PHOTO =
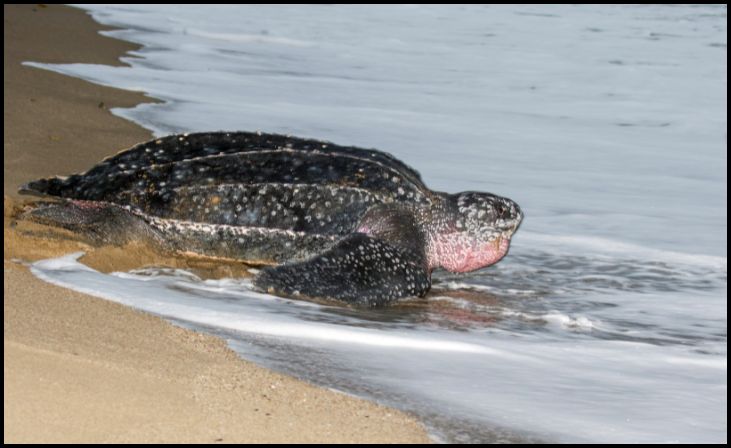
[(359, 269), (98, 222)]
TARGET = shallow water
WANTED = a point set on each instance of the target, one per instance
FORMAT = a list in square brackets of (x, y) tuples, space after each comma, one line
[(607, 320), (509, 357)]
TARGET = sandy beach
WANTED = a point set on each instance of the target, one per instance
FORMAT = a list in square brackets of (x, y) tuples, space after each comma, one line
[(81, 369)]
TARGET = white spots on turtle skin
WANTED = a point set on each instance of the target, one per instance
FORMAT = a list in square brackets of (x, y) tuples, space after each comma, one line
[(253, 243), (187, 152), (249, 168), (289, 204), (469, 230), (377, 273)]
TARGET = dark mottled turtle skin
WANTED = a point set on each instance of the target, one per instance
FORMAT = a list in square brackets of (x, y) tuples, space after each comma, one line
[(346, 223)]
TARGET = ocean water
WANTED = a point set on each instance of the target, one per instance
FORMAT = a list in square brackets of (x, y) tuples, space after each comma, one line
[(607, 320)]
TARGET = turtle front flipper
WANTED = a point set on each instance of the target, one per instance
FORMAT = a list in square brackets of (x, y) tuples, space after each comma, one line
[(359, 269)]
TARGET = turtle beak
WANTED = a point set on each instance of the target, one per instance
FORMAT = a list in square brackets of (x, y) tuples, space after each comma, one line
[(509, 215)]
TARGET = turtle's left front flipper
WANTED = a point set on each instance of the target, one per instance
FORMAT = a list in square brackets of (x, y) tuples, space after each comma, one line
[(359, 269)]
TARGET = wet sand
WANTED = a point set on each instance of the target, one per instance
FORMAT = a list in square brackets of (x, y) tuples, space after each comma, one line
[(80, 369)]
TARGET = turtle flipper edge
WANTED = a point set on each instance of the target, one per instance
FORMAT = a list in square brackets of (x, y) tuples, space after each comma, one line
[(359, 269), (97, 222)]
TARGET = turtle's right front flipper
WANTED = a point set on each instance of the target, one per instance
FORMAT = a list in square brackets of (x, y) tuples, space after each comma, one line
[(359, 269)]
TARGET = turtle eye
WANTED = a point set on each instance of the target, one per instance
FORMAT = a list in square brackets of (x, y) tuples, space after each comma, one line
[(501, 209)]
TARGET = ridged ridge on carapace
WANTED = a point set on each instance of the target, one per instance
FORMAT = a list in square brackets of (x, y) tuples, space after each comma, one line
[(205, 159)]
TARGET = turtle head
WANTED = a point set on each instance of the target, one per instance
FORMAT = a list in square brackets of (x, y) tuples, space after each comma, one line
[(471, 230)]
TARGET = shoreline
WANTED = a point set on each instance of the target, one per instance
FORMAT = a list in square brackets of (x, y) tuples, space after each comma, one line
[(81, 369)]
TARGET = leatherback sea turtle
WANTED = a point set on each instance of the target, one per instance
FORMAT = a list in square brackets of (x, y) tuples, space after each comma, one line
[(347, 223)]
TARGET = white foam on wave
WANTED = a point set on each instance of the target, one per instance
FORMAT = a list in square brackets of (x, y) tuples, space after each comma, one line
[(568, 322), (454, 285), (554, 318), (134, 293), (65, 262), (461, 286), (598, 246), (95, 74)]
